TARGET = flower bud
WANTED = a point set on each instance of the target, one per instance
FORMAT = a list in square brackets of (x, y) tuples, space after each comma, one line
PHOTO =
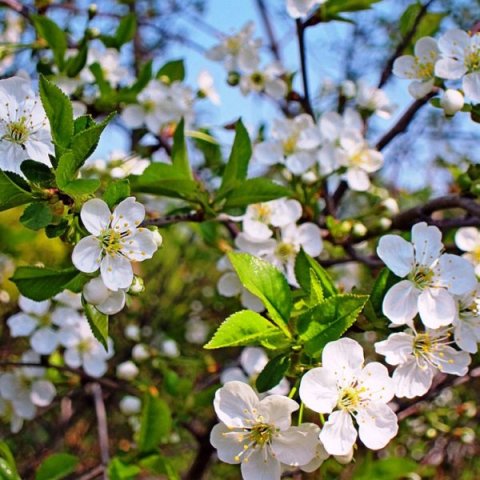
[(127, 370), (233, 79), (137, 286), (452, 102), (157, 238), (140, 352), (359, 230), (348, 89), (92, 10), (130, 405), (132, 332)]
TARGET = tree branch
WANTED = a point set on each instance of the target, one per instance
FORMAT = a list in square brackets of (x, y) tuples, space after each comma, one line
[(273, 44), (96, 391), (303, 63)]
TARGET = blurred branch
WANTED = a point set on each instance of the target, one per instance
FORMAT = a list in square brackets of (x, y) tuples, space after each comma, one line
[(204, 452), (16, 7), (303, 62), (387, 71), (273, 43), (171, 219), (93, 473), (404, 121), (96, 391)]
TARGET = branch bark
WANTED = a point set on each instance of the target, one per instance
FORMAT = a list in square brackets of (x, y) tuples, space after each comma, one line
[(97, 394), (303, 63)]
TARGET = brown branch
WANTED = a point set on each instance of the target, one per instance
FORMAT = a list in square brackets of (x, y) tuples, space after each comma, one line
[(93, 473), (16, 7), (387, 71), (96, 391), (204, 452), (273, 44), (171, 219), (404, 121)]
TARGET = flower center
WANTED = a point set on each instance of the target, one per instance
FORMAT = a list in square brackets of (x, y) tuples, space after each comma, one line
[(472, 59), (261, 433), (290, 144), (424, 69), (350, 398), (149, 106), (17, 132), (285, 251), (233, 44), (262, 212), (422, 344), (421, 276), (257, 79), (111, 241)]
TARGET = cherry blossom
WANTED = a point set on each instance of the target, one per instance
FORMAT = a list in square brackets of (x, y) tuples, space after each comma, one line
[(431, 278), (258, 433), (105, 300), (300, 8), (115, 241), (418, 357), (468, 240), (344, 388)]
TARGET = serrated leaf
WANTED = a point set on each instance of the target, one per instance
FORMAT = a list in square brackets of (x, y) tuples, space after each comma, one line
[(82, 187), (245, 328), (303, 264), (98, 322), (57, 466), (59, 112), (12, 195), (156, 423), (38, 283), (266, 282), (254, 190), (173, 71), (36, 216), (237, 165), (316, 289), (55, 37), (273, 373), (116, 191), (328, 321), (82, 123), (180, 161)]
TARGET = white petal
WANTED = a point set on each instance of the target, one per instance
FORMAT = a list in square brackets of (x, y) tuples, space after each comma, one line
[(310, 238), (405, 67), (426, 49), (261, 466), (268, 153), (113, 304), (296, 446), (454, 43), (338, 435), (139, 246), (397, 254), (427, 241), (467, 238), (233, 374), (318, 390), (95, 215), (412, 380), (31, 306), (94, 366), (234, 404), (452, 361), (397, 348), (277, 410), (253, 360), (128, 215), (227, 445), (471, 86), (358, 179), (87, 254), (95, 291), (133, 116), (43, 392), (116, 272), (250, 301), (44, 341), (229, 285), (300, 162), (285, 212), (457, 274), (378, 384), (436, 307), (345, 358), (72, 358), (377, 425), (450, 69), (418, 89), (400, 304), (21, 325)]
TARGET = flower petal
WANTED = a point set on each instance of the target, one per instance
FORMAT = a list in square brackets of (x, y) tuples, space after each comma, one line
[(436, 307), (95, 215), (296, 446), (412, 380), (87, 254), (140, 245), (116, 272), (128, 215), (318, 390), (400, 304), (338, 435), (397, 254), (377, 425), (427, 241)]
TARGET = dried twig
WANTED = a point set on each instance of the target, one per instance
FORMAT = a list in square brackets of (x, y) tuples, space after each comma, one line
[(96, 391)]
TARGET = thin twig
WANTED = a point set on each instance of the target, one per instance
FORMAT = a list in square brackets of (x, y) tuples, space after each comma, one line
[(387, 71), (171, 219), (96, 391), (93, 473), (303, 63), (273, 44), (16, 7), (404, 121)]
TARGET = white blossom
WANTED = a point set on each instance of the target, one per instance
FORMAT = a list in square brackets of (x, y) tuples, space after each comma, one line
[(130, 405), (431, 278), (419, 67), (468, 240), (344, 388), (418, 357), (207, 88), (373, 100), (105, 300), (452, 101), (24, 128), (115, 241), (300, 8), (466, 324), (268, 79), (127, 370), (258, 433)]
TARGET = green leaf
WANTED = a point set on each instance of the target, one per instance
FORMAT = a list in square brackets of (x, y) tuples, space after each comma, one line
[(8, 467), (180, 161), (390, 468), (37, 172), (102, 83), (144, 76), (11, 194), (303, 264), (163, 179), (126, 29), (116, 191), (156, 423), (82, 123), (316, 289), (328, 321), (245, 328), (266, 282), (98, 322), (82, 187), (85, 142), (57, 466), (334, 7), (408, 17), (385, 280), (76, 63), (273, 372), (237, 166), (254, 190), (52, 231), (59, 112), (160, 465), (173, 71), (117, 470), (36, 216), (40, 283), (55, 37)]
